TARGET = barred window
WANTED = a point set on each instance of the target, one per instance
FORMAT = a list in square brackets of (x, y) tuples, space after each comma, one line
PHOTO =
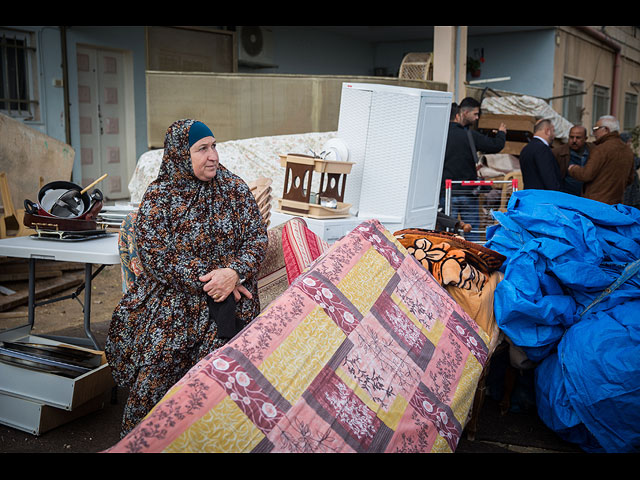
[(16, 75), (601, 99), (572, 107)]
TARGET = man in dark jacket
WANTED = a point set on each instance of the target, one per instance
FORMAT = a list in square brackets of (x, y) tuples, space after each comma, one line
[(460, 157), (460, 160), (574, 152), (610, 168), (539, 167)]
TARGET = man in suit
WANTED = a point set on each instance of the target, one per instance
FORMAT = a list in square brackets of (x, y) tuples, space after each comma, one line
[(539, 167)]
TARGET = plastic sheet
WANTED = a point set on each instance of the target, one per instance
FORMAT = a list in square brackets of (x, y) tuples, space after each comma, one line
[(563, 252)]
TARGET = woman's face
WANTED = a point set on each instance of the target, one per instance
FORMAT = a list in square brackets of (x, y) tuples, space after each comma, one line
[(204, 158)]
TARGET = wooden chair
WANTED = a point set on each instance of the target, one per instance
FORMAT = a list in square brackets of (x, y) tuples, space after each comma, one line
[(261, 189), (417, 66), (507, 190), (12, 219)]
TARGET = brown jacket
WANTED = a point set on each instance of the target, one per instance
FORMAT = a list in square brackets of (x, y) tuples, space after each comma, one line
[(608, 171)]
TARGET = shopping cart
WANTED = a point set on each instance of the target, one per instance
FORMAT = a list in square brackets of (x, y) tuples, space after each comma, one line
[(472, 201)]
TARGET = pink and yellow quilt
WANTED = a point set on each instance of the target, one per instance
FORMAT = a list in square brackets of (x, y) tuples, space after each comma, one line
[(364, 352)]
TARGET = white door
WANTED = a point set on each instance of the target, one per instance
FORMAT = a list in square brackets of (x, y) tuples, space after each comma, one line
[(103, 129)]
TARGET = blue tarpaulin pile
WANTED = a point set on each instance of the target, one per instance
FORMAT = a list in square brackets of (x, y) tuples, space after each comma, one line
[(563, 253)]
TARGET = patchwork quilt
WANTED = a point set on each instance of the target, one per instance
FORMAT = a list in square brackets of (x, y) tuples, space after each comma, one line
[(364, 352)]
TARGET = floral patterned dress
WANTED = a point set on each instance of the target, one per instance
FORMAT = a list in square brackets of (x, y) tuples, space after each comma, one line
[(185, 228)]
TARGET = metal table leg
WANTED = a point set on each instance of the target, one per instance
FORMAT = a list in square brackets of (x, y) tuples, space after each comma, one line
[(89, 275), (32, 291), (87, 302)]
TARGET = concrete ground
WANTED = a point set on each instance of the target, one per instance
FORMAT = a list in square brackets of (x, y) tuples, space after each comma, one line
[(521, 432)]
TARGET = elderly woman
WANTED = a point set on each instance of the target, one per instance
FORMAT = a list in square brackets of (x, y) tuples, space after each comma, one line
[(201, 239)]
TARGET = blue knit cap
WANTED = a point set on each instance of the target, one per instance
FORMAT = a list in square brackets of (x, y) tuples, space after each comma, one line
[(197, 132)]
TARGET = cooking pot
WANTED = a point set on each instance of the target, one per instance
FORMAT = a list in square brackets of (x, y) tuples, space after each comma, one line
[(37, 215)]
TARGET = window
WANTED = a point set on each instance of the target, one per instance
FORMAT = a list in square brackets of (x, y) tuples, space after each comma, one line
[(16, 74), (600, 102), (630, 111), (573, 92)]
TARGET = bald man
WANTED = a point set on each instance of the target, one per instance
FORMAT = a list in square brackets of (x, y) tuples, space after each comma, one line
[(574, 152), (539, 167)]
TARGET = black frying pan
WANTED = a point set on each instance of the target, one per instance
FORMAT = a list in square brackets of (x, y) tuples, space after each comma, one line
[(51, 192), (70, 203)]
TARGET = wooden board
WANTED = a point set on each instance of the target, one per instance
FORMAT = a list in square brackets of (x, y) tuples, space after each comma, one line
[(26, 155), (513, 148), (310, 210), (44, 288), (523, 123)]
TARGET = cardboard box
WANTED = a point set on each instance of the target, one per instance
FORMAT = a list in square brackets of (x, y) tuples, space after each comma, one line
[(519, 129)]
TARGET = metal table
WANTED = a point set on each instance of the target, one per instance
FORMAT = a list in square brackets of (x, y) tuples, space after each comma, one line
[(100, 251)]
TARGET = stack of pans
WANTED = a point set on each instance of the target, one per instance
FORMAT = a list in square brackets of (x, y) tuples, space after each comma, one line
[(45, 215), (61, 360)]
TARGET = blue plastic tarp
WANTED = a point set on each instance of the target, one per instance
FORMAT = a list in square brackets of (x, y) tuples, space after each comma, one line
[(562, 253)]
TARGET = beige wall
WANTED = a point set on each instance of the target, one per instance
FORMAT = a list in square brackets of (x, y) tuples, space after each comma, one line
[(630, 73), (239, 106), (29, 157), (583, 58), (448, 43)]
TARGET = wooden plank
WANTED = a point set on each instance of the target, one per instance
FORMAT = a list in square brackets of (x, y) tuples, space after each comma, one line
[(513, 122), (513, 148), (21, 276), (13, 314), (43, 289), (18, 270)]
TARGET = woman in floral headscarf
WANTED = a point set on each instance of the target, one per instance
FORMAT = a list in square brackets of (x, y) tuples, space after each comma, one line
[(201, 239)]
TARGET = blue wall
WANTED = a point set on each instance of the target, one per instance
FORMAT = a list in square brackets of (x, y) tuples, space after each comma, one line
[(526, 57), (51, 97), (389, 55), (303, 50), (306, 50)]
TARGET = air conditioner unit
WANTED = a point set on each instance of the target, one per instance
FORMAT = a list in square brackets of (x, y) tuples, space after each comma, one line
[(396, 137), (255, 46)]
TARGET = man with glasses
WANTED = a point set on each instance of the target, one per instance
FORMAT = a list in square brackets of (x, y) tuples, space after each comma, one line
[(610, 168)]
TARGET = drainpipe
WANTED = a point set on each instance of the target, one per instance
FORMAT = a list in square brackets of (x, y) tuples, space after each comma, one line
[(601, 37), (65, 83)]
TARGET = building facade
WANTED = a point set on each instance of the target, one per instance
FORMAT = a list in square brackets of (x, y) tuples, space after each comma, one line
[(87, 86)]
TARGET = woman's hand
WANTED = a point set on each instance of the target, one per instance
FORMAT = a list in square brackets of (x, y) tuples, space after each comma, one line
[(241, 290), (219, 283)]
